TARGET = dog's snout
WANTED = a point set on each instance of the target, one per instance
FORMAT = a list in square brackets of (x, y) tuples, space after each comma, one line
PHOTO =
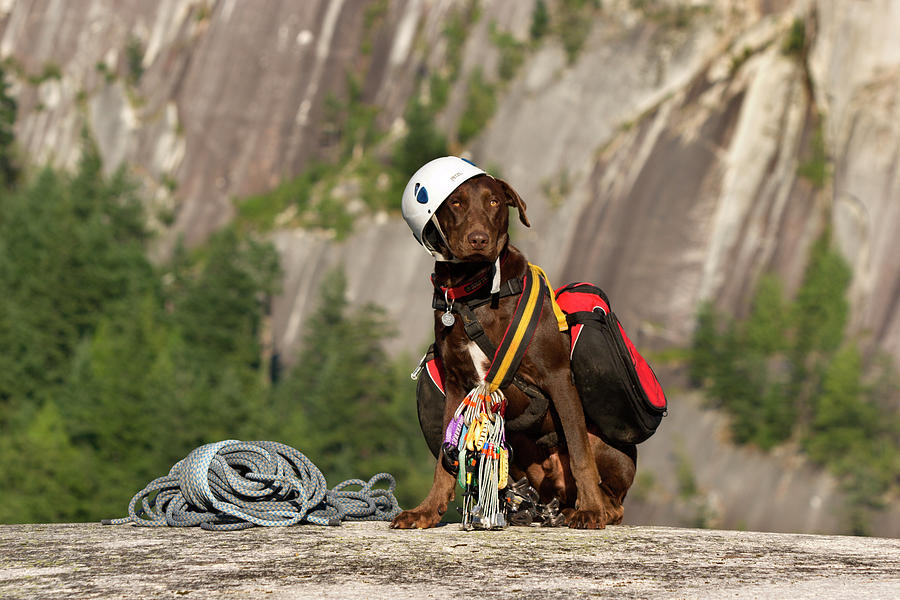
[(478, 240)]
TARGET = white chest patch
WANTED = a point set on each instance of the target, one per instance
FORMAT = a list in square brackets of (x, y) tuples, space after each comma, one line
[(479, 360)]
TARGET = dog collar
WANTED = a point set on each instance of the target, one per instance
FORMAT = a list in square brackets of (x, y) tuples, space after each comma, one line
[(488, 274)]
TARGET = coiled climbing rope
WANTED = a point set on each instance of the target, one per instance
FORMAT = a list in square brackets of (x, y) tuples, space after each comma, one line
[(231, 485)]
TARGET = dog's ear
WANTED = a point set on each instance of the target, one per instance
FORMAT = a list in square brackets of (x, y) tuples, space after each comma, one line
[(514, 200)]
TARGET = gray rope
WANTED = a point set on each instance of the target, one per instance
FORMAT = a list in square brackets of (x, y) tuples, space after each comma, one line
[(233, 485)]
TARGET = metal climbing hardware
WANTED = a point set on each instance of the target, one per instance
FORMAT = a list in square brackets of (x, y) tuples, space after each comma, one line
[(483, 426), (418, 370), (503, 476), (450, 459), (473, 435)]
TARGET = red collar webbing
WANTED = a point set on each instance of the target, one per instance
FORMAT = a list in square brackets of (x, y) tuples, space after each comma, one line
[(471, 286)]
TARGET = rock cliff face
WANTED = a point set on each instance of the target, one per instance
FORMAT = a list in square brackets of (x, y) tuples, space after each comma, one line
[(661, 163)]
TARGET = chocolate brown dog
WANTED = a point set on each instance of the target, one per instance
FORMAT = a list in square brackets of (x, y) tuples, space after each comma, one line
[(588, 476)]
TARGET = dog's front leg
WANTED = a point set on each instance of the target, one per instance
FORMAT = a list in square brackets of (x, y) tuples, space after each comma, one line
[(591, 504), (429, 512)]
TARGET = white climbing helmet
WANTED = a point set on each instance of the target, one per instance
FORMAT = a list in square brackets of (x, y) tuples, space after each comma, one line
[(426, 191)]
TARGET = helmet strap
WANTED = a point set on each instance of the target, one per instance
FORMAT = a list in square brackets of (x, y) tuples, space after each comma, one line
[(439, 256)]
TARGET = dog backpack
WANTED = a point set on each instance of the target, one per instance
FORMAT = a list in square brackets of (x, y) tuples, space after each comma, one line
[(618, 388)]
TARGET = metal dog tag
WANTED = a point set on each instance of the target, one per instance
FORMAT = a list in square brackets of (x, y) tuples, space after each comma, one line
[(447, 318)]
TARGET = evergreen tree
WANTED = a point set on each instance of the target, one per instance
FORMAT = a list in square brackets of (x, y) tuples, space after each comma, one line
[(346, 405), (821, 309), (786, 371), (71, 248), (220, 309), (108, 375), (45, 477)]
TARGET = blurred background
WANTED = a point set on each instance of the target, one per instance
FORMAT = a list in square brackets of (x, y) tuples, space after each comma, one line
[(200, 236)]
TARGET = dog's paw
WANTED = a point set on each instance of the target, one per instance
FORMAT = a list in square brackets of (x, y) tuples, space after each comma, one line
[(615, 515), (587, 519), (415, 519)]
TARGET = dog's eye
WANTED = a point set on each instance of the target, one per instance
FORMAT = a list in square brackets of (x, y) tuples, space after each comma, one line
[(454, 202), (494, 202)]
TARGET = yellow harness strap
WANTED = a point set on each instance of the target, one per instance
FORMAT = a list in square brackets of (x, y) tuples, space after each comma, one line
[(560, 315), (511, 349)]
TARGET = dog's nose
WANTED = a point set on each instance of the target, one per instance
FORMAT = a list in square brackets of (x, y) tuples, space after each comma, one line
[(478, 240)]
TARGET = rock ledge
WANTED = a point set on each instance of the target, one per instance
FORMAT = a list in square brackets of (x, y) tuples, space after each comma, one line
[(369, 560)]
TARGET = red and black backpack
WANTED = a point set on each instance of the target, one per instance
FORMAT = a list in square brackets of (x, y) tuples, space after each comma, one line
[(618, 388)]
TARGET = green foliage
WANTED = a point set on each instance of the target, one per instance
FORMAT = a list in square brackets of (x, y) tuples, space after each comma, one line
[(352, 121), (438, 91), (557, 187), (169, 182), (705, 345), (350, 405), (787, 371), (684, 475), (853, 436), (9, 168), (738, 60), (203, 12), (112, 368), (373, 17), (108, 75), (259, 212), (71, 248), (219, 307), (570, 21), (674, 15), (421, 143), (512, 52), (49, 71), (815, 168), (481, 102), (308, 200), (540, 20), (45, 477), (134, 58), (769, 318), (827, 277), (574, 26), (795, 42), (455, 33), (318, 197)]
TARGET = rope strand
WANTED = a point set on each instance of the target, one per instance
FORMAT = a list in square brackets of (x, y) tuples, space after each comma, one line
[(232, 485)]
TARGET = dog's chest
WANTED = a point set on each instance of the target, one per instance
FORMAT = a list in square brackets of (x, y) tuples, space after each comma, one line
[(480, 361)]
